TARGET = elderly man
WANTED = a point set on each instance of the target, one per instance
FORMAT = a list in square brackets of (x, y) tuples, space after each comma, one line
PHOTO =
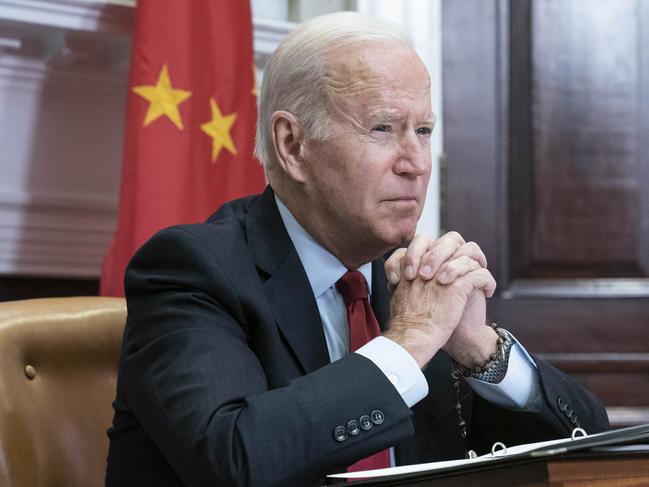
[(252, 355)]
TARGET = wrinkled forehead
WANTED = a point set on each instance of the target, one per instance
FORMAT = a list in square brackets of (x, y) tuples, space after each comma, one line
[(379, 67)]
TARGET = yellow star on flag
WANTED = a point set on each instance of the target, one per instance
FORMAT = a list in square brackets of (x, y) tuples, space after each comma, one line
[(219, 130), (163, 99)]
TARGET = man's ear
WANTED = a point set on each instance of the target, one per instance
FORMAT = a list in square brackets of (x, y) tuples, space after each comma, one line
[(288, 140)]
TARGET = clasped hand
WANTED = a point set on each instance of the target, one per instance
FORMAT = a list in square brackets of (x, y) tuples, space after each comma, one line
[(438, 300)]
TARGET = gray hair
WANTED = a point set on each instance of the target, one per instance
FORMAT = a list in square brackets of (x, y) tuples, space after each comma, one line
[(293, 77)]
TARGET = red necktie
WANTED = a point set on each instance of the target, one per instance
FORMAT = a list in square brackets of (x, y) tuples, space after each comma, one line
[(362, 328)]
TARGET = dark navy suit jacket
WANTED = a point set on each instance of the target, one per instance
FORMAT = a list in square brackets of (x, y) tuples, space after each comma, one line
[(224, 375)]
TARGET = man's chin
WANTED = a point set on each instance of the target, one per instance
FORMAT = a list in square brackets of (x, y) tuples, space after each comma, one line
[(401, 237)]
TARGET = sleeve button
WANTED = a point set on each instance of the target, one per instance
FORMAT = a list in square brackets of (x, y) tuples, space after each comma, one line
[(353, 428), (340, 433), (365, 422), (377, 417)]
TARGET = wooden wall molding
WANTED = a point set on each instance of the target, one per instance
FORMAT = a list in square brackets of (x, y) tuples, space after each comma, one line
[(54, 234), (22, 74), (45, 200), (613, 287), (598, 362), (80, 15), (115, 16), (620, 417)]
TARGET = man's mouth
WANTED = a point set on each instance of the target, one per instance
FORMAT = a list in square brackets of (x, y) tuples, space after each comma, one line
[(402, 199)]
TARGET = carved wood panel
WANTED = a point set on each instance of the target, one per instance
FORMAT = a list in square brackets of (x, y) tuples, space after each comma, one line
[(546, 105), (586, 138)]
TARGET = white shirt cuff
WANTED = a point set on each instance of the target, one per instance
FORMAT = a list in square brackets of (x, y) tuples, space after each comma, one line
[(520, 386), (399, 367)]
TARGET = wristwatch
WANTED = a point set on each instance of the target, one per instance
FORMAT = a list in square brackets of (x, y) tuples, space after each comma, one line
[(495, 369)]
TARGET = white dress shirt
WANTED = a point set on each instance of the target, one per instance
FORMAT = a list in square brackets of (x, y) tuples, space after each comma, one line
[(518, 389)]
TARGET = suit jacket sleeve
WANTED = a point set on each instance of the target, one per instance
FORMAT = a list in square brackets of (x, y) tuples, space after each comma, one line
[(437, 432), (201, 394), (563, 406)]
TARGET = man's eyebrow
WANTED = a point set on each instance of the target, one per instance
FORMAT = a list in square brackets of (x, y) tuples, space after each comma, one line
[(391, 115), (385, 114)]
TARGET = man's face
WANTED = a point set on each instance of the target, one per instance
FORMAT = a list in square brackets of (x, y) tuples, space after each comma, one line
[(367, 182)]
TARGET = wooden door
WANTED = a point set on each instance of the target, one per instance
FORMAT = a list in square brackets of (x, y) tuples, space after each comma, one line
[(546, 136)]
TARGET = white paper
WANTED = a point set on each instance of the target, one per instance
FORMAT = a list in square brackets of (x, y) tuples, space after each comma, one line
[(433, 466)]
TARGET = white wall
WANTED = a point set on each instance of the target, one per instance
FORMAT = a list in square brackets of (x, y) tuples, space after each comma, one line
[(63, 70)]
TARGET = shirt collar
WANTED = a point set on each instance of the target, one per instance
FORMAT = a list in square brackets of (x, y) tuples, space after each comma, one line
[(322, 268)]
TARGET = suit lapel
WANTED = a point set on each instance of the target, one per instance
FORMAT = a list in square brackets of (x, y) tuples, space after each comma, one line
[(287, 287)]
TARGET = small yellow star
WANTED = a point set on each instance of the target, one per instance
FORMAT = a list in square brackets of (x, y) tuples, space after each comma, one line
[(163, 98), (219, 130), (254, 80)]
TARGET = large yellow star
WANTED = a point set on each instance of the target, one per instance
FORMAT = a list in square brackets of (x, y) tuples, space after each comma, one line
[(163, 98), (219, 130)]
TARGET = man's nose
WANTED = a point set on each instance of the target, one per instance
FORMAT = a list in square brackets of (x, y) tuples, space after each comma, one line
[(414, 158)]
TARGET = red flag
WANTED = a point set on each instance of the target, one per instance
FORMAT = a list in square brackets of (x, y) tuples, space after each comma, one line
[(190, 122)]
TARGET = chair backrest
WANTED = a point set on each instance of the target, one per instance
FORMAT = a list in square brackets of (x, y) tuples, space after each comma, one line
[(58, 367)]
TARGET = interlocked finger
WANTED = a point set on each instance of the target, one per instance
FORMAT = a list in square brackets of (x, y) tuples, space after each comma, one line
[(393, 266), (443, 250), (481, 278), (455, 268), (411, 261), (473, 250), (425, 255)]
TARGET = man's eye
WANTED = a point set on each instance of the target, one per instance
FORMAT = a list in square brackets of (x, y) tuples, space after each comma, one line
[(424, 131), (381, 128)]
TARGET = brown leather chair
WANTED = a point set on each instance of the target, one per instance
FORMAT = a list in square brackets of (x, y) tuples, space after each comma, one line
[(58, 366)]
